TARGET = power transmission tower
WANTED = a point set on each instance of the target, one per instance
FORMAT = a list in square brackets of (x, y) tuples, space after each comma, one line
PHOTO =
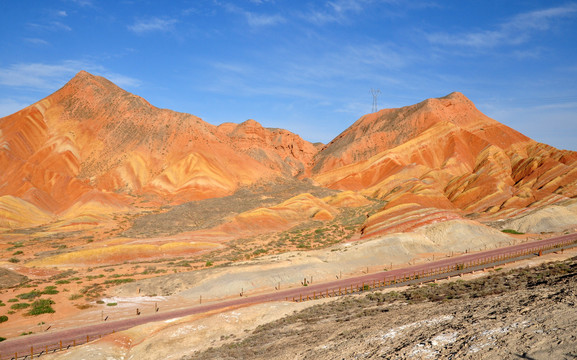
[(375, 93)]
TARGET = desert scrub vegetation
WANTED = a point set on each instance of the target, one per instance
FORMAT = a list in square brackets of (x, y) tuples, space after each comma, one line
[(118, 281), (41, 306), (512, 231), (19, 306)]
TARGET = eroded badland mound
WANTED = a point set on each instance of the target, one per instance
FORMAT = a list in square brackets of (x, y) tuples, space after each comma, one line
[(100, 188)]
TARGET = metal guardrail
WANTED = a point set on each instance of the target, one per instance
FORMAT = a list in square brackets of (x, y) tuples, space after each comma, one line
[(405, 278), (36, 352), (436, 273)]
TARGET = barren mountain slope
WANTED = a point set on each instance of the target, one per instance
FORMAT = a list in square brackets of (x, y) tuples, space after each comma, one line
[(93, 137), (440, 160)]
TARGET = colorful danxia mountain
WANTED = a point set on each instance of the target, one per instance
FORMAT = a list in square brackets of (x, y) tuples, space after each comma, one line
[(96, 180)]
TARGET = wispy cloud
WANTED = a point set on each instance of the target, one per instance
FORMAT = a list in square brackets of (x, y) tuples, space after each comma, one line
[(334, 11), (42, 77), (153, 24), (51, 26), (37, 41), (254, 19), (517, 30), (83, 2)]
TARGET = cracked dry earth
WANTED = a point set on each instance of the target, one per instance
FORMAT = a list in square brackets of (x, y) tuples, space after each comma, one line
[(533, 320)]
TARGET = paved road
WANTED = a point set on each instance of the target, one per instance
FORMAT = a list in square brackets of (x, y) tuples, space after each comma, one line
[(22, 345)]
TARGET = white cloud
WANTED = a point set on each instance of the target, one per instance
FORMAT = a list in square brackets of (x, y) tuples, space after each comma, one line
[(335, 11), (37, 41), (255, 19), (61, 13), (516, 31), (152, 24), (83, 2), (51, 26), (42, 77)]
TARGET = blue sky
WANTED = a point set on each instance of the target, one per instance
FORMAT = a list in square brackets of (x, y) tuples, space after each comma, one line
[(307, 66)]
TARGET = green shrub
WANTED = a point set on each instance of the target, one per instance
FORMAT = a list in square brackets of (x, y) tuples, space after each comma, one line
[(29, 295), (2, 338), (119, 281), (13, 260), (41, 306), (3, 318), (512, 231), (111, 304), (19, 306), (50, 290)]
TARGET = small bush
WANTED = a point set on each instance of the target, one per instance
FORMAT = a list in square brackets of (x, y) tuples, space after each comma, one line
[(19, 306), (3, 318), (111, 304), (208, 263), (2, 338), (19, 252), (50, 290), (60, 282), (512, 231), (41, 306), (119, 281), (29, 295), (75, 296), (14, 260)]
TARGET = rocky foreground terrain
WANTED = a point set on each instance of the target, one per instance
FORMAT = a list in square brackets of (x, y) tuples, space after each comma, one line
[(527, 313)]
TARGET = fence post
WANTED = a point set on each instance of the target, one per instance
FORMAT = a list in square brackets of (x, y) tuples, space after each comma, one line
[(31, 352), (60, 345)]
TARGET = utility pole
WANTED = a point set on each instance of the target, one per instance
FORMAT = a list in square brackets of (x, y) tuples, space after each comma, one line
[(375, 93)]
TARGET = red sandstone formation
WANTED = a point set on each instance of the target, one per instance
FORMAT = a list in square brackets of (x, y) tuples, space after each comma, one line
[(442, 159), (92, 149)]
